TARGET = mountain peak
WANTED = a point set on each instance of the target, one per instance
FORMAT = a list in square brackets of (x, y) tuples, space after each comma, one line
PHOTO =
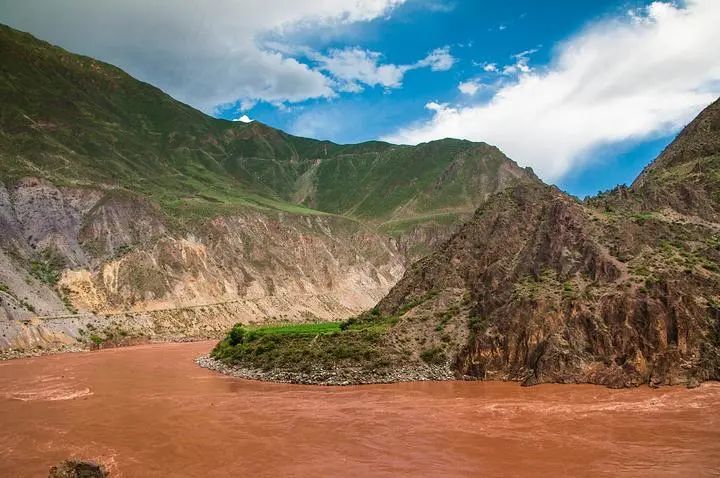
[(686, 176), (699, 139)]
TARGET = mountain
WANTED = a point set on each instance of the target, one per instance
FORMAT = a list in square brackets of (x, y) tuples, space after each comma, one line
[(121, 205), (620, 290), (556, 291), (73, 119), (686, 176)]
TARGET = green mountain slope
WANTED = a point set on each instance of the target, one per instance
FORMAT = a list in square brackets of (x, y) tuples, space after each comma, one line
[(75, 120)]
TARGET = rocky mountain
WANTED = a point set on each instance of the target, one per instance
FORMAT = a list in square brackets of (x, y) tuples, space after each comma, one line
[(686, 177), (119, 204), (620, 290)]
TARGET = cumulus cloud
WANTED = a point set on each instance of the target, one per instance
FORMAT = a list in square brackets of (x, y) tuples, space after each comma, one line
[(624, 79), (243, 119), (354, 67), (206, 53)]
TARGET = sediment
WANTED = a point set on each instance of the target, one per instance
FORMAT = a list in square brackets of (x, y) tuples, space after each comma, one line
[(334, 376)]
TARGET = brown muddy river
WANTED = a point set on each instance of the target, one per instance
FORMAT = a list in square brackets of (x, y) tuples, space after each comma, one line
[(150, 411)]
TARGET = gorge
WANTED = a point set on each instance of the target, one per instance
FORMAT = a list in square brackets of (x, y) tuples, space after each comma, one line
[(186, 295), (129, 217)]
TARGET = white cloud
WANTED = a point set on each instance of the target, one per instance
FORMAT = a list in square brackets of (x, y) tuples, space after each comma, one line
[(624, 79), (490, 67), (204, 53), (469, 87), (354, 67), (521, 64), (439, 6), (439, 59), (243, 119), (435, 106)]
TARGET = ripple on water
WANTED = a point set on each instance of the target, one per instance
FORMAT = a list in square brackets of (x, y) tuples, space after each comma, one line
[(49, 395), (48, 388)]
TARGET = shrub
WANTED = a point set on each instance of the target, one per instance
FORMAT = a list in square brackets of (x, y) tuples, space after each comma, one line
[(236, 335), (48, 265), (96, 339), (434, 355), (476, 324)]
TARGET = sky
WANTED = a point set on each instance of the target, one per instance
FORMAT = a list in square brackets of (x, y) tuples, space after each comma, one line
[(586, 93)]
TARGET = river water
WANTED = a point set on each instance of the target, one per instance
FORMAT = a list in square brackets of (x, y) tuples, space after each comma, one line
[(150, 411)]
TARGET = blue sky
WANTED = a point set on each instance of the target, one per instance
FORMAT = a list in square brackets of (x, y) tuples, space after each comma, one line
[(586, 93), (476, 31)]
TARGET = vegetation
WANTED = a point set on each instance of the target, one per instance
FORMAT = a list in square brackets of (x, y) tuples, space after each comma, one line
[(546, 284), (433, 356), (64, 293), (296, 329), (96, 339), (78, 121), (300, 347), (47, 266)]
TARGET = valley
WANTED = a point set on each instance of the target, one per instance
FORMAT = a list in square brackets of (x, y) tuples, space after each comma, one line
[(359, 238), (129, 217), (619, 290), (117, 200)]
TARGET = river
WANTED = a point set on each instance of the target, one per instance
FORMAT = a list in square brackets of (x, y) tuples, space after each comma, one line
[(150, 411)]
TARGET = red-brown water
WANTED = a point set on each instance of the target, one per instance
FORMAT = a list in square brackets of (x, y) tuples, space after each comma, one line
[(150, 411)]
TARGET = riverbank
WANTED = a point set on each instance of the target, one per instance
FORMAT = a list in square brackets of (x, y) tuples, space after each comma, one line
[(41, 351), (332, 376)]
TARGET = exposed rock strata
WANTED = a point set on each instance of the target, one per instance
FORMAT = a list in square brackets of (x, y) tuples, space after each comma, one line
[(620, 291), (115, 197)]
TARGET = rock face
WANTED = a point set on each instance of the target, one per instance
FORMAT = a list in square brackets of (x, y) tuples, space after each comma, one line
[(78, 469), (112, 255), (620, 291), (685, 177)]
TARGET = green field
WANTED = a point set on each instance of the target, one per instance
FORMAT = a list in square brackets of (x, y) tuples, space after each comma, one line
[(296, 329)]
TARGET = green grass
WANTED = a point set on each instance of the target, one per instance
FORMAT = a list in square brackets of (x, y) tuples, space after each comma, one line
[(296, 329), (397, 227), (302, 347)]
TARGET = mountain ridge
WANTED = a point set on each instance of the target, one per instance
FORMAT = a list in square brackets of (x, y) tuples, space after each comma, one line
[(141, 132), (621, 290)]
